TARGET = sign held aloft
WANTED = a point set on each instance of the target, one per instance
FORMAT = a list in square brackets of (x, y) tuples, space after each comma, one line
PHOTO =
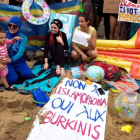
[(129, 11), (111, 6)]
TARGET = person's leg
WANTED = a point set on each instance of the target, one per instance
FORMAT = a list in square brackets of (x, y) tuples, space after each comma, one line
[(113, 24), (119, 29), (53, 51), (92, 53), (60, 52), (12, 76), (107, 25), (75, 55), (24, 71), (4, 82)]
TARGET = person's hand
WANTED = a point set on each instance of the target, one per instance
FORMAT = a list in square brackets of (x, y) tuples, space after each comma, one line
[(5, 60), (84, 57), (59, 40), (46, 66), (1, 67), (88, 40), (16, 38), (81, 0)]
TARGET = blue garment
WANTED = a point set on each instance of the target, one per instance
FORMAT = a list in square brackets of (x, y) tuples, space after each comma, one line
[(17, 50), (18, 65), (16, 20), (22, 69)]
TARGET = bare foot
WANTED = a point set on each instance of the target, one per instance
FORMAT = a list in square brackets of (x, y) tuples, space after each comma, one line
[(63, 73), (58, 71)]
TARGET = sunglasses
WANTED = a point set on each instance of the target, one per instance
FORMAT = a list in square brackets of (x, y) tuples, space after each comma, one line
[(12, 25)]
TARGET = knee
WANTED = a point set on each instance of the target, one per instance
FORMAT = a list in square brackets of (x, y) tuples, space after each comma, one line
[(94, 54), (52, 47), (12, 80), (74, 54), (59, 47), (27, 74)]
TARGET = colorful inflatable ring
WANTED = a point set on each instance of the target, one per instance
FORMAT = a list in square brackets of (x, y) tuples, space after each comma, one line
[(28, 16)]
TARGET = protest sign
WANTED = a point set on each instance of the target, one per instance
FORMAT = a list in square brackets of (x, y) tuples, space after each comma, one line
[(76, 111), (111, 6), (128, 11), (80, 38), (4, 1)]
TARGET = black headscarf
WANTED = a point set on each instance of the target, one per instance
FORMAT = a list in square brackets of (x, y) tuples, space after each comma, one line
[(58, 23)]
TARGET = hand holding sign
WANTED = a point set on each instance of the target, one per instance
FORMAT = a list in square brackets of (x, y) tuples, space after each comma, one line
[(81, 38)]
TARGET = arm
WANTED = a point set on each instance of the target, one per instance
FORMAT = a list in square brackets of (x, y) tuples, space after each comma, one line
[(9, 41), (92, 41), (12, 41), (138, 1), (47, 38), (21, 50), (63, 0)]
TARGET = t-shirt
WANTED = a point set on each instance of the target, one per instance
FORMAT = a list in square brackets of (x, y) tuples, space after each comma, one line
[(90, 32)]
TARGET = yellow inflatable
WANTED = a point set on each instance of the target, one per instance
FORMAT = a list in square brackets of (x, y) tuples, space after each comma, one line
[(125, 54)]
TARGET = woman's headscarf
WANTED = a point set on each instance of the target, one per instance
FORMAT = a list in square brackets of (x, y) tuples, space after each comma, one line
[(58, 23), (18, 22)]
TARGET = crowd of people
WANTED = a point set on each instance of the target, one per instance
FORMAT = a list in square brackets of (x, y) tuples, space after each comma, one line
[(12, 63)]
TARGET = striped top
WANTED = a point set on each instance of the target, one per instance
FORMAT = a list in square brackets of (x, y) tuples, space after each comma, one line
[(3, 48)]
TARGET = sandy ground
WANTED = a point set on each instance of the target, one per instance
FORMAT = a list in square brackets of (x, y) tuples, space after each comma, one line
[(15, 107)]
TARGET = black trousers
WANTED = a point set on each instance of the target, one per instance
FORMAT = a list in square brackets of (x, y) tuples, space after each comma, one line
[(57, 53)]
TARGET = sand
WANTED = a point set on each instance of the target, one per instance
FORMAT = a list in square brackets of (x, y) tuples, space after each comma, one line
[(15, 107)]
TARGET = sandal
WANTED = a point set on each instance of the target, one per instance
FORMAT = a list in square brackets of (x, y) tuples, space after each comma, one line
[(58, 71), (10, 88), (63, 73), (25, 92)]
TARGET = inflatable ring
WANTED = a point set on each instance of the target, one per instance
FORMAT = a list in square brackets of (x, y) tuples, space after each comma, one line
[(28, 16)]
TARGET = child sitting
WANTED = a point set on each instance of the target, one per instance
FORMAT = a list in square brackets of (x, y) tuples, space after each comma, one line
[(3, 54)]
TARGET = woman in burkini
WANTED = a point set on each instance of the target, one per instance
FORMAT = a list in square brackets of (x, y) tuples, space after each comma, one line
[(56, 42), (16, 63), (3, 54), (83, 51)]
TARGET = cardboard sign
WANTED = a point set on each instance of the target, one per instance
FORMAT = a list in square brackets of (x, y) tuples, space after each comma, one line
[(76, 111), (128, 11), (4, 1), (111, 6)]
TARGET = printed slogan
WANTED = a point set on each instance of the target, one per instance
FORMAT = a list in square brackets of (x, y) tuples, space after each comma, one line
[(129, 11), (76, 111)]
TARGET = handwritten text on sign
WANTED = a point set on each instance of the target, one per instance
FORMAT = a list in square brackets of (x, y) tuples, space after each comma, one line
[(76, 111), (129, 11), (111, 6)]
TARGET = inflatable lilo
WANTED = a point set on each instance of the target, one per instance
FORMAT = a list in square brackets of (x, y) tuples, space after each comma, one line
[(28, 16), (125, 54)]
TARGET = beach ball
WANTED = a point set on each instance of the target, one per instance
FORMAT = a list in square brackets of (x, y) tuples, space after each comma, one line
[(127, 106), (95, 73)]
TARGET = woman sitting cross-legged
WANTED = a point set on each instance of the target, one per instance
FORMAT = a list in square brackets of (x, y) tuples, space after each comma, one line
[(56, 42), (80, 50)]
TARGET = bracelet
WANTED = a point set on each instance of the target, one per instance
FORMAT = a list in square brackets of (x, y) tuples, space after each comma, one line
[(46, 62)]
